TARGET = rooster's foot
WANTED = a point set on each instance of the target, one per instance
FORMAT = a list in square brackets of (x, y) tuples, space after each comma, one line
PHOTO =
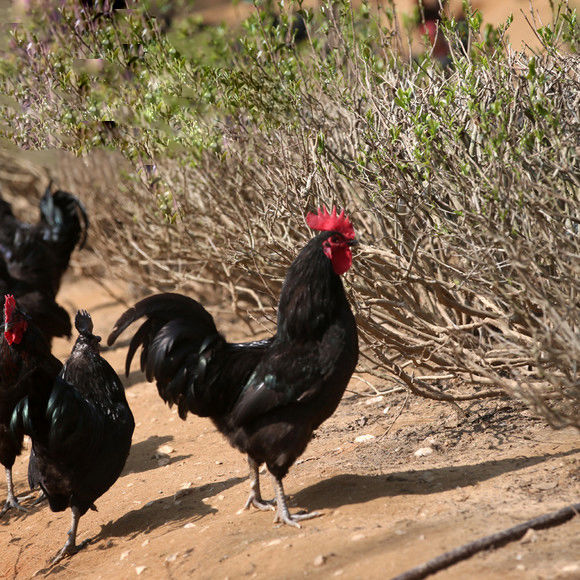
[(12, 502), (283, 515), (39, 499), (69, 549), (259, 503), (255, 497)]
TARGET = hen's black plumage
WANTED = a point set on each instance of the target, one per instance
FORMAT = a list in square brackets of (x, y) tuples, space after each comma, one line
[(266, 397), (25, 360), (81, 429), (34, 258)]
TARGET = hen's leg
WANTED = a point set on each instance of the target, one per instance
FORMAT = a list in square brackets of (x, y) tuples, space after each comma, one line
[(70, 547), (283, 515), (255, 497), (11, 501)]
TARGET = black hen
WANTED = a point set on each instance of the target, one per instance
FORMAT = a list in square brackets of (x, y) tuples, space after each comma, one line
[(34, 258), (266, 397), (25, 360), (81, 429)]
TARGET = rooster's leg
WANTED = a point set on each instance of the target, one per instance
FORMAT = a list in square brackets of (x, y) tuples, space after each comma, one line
[(11, 501), (70, 547), (255, 497), (283, 515)]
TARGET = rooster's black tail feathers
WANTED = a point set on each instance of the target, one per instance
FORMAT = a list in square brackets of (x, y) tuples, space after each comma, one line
[(65, 217), (178, 340)]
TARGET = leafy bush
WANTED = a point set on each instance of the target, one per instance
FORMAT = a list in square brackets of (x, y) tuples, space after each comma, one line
[(463, 182)]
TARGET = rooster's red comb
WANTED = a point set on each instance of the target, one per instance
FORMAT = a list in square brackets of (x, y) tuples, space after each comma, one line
[(331, 222), (9, 307)]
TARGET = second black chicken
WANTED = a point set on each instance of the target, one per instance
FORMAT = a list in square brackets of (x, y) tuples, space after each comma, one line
[(81, 429)]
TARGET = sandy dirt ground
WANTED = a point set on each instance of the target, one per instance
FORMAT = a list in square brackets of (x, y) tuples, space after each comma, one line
[(174, 512)]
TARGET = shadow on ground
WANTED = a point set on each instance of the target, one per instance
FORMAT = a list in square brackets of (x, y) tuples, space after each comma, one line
[(350, 488)]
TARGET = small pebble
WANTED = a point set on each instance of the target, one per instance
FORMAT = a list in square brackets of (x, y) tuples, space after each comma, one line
[(423, 452), (319, 560), (530, 537), (140, 569), (364, 438), (165, 449)]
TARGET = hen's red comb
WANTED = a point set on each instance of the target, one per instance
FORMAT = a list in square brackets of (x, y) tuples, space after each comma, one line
[(9, 306), (330, 222)]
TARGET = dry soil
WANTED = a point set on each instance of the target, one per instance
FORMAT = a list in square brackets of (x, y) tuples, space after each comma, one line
[(174, 512)]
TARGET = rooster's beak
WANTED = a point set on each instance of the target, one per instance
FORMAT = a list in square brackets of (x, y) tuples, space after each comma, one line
[(353, 242)]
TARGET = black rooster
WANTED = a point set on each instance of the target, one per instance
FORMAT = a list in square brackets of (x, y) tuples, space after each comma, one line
[(34, 258), (266, 397), (81, 429), (25, 359)]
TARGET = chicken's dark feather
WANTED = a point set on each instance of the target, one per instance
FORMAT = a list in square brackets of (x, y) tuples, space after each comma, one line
[(275, 384)]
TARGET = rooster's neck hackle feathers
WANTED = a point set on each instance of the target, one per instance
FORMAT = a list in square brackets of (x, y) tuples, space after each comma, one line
[(311, 295)]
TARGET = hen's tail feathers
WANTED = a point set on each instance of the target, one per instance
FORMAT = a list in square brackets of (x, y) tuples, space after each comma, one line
[(84, 322), (66, 218)]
